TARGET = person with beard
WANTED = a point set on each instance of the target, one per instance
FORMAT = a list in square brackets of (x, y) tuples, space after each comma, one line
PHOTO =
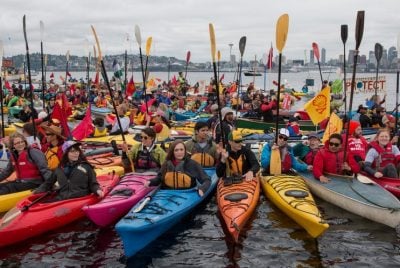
[(286, 152), (357, 145), (307, 149)]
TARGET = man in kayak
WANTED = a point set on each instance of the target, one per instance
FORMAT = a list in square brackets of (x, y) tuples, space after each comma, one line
[(115, 130), (237, 161), (29, 163), (286, 153), (330, 159), (201, 147), (357, 145), (53, 146), (227, 125), (307, 149)]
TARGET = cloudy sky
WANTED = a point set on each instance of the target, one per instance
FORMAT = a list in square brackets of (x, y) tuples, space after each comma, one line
[(181, 25)]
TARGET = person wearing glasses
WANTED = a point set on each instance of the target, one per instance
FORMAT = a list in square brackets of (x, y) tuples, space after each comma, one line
[(383, 157), (237, 160), (53, 146), (179, 171), (29, 163), (146, 156), (74, 175), (286, 152), (330, 160)]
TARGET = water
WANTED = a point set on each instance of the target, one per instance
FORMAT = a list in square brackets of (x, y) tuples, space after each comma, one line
[(270, 239)]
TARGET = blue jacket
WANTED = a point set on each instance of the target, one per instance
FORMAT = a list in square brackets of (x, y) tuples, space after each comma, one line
[(266, 159)]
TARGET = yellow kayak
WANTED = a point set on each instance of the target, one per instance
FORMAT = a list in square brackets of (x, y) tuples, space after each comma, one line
[(8, 201), (291, 195), (108, 170), (107, 139), (9, 130)]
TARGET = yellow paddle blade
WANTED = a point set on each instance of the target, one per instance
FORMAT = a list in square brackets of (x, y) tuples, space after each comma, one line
[(282, 28), (97, 42), (212, 40), (219, 55), (275, 165), (148, 45)]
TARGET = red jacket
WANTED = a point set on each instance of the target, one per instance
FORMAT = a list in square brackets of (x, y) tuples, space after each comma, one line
[(326, 161), (24, 168), (386, 155)]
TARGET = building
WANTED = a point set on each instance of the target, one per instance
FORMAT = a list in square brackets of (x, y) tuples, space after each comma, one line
[(323, 56), (311, 57)]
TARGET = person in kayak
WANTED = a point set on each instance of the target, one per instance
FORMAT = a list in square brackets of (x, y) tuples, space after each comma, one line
[(74, 175), (125, 122), (330, 159), (307, 149), (382, 157), (201, 147), (228, 124), (29, 163), (357, 145), (286, 152), (241, 161), (179, 171), (53, 146), (146, 156)]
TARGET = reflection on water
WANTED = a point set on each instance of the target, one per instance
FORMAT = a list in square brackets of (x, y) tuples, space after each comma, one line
[(271, 239)]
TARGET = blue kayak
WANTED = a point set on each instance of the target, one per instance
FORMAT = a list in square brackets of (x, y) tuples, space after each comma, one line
[(152, 217), (101, 111)]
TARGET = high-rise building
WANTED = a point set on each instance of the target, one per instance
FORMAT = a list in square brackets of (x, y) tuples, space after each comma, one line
[(372, 59), (350, 59), (392, 55), (311, 57), (323, 56)]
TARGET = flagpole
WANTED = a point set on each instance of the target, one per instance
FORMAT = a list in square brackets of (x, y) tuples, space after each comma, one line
[(42, 61), (88, 72), (66, 69), (1, 91)]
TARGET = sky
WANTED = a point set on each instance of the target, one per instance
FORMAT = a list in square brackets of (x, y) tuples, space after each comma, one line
[(178, 26)]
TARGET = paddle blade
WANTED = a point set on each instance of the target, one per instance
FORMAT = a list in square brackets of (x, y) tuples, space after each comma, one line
[(148, 45), (242, 45), (67, 55), (378, 52), (188, 57), (24, 29), (212, 40), (359, 28), (97, 42), (316, 50), (45, 60), (275, 166), (282, 28), (10, 215), (219, 55), (138, 36), (364, 179), (344, 30)]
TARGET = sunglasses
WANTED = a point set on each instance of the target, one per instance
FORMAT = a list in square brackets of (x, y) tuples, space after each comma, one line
[(283, 137), (145, 137), (334, 144), (238, 141)]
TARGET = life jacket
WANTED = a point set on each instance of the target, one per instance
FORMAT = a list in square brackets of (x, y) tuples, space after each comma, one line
[(98, 132), (144, 160), (101, 103), (385, 157), (201, 156), (24, 168), (20, 101), (52, 157), (236, 165), (176, 178)]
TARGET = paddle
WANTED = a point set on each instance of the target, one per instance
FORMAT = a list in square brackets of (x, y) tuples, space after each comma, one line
[(213, 51), (378, 56), (139, 41), (343, 34), (397, 91), (107, 82), (1, 91), (66, 68), (282, 28), (29, 75), (87, 50), (242, 46), (359, 35), (13, 213), (364, 179), (187, 63), (218, 63), (126, 61), (42, 61), (316, 54)]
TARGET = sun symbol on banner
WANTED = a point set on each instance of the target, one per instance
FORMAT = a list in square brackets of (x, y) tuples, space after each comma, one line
[(320, 103)]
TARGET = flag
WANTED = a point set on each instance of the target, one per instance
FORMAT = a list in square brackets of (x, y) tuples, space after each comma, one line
[(335, 125), (72, 89), (60, 114), (117, 69), (96, 79), (318, 108), (69, 74), (52, 75), (85, 127), (130, 88), (174, 81), (222, 77), (270, 56), (7, 85)]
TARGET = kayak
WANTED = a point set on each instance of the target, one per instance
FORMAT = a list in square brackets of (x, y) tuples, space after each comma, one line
[(291, 195), (8, 201), (109, 170), (390, 184), (105, 160), (236, 203), (152, 217), (41, 217), (367, 200), (100, 111), (118, 138), (121, 199)]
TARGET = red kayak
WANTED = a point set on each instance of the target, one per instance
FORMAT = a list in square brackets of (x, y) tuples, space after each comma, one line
[(18, 225), (390, 184)]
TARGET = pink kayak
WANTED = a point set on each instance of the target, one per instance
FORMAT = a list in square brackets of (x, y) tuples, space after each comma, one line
[(121, 199)]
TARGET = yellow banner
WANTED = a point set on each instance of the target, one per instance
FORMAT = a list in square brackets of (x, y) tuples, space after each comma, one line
[(318, 108), (335, 125)]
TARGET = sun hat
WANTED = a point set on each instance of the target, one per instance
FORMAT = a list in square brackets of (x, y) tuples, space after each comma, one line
[(68, 144)]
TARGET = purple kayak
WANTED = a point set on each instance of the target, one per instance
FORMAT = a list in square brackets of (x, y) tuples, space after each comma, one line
[(121, 199)]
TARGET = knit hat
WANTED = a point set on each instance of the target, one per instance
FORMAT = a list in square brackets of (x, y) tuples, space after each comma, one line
[(225, 111), (235, 136), (352, 126)]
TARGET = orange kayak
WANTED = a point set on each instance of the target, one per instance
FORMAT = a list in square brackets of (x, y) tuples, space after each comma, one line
[(237, 203)]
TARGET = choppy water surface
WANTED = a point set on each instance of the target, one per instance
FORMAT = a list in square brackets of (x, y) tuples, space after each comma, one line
[(270, 239)]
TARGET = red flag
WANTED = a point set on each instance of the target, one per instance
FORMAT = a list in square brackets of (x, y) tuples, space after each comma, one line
[(96, 79), (69, 74), (72, 89), (316, 50), (60, 115), (85, 127), (174, 81), (130, 88), (270, 56), (52, 75), (222, 77), (7, 85)]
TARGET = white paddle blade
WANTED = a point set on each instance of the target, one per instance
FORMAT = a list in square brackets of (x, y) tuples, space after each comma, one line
[(138, 36)]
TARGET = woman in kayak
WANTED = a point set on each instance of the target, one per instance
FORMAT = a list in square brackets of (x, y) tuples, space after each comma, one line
[(29, 163), (179, 171), (75, 175), (382, 157), (146, 156)]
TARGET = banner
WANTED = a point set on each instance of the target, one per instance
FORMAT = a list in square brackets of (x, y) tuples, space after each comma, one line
[(318, 108), (335, 125), (366, 85)]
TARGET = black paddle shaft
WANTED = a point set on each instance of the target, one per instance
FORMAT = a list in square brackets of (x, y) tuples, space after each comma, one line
[(219, 105), (1, 107), (144, 79), (278, 97)]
